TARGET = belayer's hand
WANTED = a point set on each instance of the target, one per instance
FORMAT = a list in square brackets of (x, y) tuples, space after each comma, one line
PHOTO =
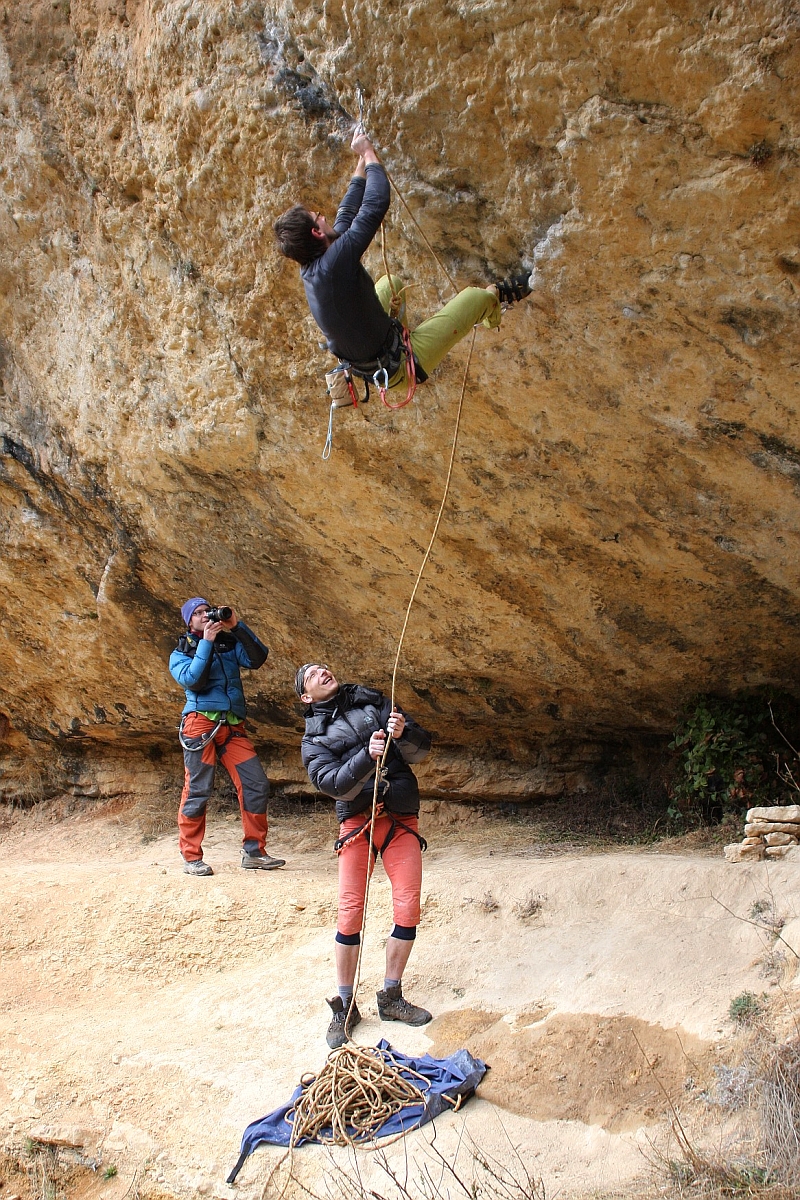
[(396, 724), (376, 744)]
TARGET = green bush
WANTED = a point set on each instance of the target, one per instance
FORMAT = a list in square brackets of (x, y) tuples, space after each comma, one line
[(745, 1008), (732, 756)]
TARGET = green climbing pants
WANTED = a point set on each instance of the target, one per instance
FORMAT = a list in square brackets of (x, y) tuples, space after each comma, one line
[(436, 337)]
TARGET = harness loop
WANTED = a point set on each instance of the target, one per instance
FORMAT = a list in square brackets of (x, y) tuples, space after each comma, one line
[(202, 741)]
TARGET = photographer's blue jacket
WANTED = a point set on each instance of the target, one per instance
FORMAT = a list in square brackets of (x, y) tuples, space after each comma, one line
[(209, 671)]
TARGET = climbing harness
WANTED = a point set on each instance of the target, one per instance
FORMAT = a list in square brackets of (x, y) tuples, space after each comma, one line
[(377, 371), (367, 827), (199, 743)]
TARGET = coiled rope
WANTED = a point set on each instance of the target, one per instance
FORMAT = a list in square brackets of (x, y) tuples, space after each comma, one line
[(355, 1093)]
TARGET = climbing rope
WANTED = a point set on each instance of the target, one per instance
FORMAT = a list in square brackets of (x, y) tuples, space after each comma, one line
[(354, 1095), (379, 766), (360, 1087)]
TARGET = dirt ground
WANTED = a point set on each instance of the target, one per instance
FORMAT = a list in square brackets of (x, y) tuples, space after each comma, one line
[(147, 1017)]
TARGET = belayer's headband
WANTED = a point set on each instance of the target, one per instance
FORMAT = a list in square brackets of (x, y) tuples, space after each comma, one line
[(300, 678)]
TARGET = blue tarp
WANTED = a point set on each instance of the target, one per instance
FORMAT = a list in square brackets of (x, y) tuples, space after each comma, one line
[(451, 1077)]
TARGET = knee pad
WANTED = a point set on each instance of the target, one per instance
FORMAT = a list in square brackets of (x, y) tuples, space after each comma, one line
[(348, 939), (404, 933)]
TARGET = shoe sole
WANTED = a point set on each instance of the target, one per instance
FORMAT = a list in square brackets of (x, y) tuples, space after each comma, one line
[(262, 866)]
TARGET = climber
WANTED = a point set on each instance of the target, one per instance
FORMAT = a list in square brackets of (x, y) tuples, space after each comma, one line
[(345, 736), (352, 311)]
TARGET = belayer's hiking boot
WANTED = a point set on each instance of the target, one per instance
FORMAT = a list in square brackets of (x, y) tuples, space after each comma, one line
[(511, 290), (336, 1036), (197, 867), (261, 862), (393, 1006)]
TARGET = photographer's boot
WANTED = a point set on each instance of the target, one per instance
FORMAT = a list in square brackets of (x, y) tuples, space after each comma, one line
[(261, 862), (393, 1006), (337, 1035), (196, 866)]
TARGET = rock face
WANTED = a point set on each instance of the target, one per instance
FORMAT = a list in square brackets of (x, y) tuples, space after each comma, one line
[(622, 529)]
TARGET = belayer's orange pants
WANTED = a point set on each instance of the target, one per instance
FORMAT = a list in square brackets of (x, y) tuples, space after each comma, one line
[(233, 748), (402, 860)]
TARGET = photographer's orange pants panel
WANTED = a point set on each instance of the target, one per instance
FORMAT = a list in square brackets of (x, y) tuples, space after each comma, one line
[(236, 752), (402, 861)]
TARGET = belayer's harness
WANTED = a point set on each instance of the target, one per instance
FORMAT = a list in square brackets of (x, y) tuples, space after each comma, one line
[(363, 831)]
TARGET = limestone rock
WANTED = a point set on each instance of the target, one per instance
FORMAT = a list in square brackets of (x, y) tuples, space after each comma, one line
[(762, 827), (780, 839), (610, 545), (776, 851), (753, 841), (784, 814), (737, 852), (65, 1135)]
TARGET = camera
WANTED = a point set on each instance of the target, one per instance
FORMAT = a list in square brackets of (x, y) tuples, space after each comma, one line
[(223, 613)]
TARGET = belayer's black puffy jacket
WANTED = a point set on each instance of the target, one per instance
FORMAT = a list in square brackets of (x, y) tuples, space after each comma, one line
[(335, 751)]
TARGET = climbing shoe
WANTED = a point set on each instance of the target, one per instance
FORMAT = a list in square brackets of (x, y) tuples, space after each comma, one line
[(393, 1006), (511, 290), (337, 1035), (197, 867), (261, 862)]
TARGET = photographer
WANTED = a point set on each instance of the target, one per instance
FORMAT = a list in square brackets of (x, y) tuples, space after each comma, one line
[(206, 663)]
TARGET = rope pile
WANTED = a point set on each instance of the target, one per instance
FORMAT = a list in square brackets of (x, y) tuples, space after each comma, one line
[(355, 1093)]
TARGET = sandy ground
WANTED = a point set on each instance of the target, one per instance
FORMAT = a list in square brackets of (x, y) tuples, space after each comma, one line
[(147, 1017)]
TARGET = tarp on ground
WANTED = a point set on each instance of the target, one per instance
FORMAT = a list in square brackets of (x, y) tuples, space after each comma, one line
[(444, 1081)]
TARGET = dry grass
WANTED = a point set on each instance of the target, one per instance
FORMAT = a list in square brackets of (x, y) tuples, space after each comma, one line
[(752, 1151), (529, 906), (468, 1174)]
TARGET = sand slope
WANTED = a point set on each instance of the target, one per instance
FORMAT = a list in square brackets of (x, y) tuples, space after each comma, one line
[(158, 1014)]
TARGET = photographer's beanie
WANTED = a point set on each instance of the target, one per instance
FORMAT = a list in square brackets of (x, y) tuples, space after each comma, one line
[(188, 608)]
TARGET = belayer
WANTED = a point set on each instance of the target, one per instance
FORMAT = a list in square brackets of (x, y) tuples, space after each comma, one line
[(345, 737), (352, 311)]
